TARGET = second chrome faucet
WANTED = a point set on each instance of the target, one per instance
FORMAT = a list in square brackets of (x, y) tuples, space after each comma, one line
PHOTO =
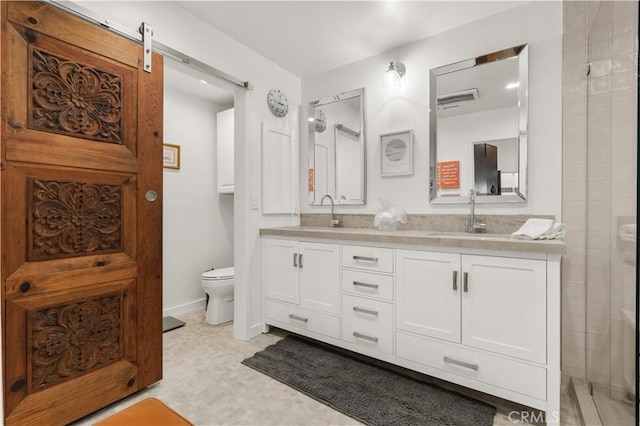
[(474, 224), (333, 222)]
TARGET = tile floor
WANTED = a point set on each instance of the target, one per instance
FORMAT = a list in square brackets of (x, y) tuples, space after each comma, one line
[(205, 382)]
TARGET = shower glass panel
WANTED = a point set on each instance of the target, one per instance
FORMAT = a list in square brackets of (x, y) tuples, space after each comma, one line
[(611, 190)]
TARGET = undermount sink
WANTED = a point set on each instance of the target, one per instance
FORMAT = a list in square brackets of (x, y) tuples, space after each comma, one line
[(479, 235)]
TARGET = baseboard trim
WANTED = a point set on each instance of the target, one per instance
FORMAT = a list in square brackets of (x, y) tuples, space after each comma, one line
[(255, 330), (184, 308)]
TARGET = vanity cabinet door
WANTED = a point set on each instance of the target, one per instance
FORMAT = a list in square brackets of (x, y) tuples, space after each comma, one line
[(281, 270), (319, 266), (504, 306), (428, 293)]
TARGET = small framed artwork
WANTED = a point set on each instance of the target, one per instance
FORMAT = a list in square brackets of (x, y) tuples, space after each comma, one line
[(170, 156), (397, 153)]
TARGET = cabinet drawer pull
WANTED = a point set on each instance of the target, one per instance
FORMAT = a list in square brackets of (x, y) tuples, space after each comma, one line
[(365, 337), (365, 259), (455, 280), (300, 259), (295, 260), (365, 311), (297, 318), (464, 364), (466, 281), (361, 284)]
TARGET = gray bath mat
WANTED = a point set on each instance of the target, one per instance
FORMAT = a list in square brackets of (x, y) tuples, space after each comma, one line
[(365, 392)]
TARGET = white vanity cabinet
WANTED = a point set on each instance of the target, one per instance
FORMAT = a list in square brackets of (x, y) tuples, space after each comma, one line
[(492, 303), (302, 285), (487, 302), (482, 312)]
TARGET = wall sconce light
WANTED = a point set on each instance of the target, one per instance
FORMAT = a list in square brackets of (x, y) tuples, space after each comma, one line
[(393, 75)]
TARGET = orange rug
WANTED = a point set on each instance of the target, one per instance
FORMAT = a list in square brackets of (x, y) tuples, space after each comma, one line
[(148, 412)]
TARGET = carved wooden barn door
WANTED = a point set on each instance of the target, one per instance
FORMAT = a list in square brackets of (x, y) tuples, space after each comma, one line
[(81, 154)]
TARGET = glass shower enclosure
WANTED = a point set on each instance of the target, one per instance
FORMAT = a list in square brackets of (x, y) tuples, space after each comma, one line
[(611, 238)]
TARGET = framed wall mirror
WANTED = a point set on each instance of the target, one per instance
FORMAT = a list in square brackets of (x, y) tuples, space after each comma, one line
[(337, 148), (478, 128)]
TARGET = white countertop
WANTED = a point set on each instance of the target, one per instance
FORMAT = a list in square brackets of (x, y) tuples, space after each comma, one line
[(426, 238)]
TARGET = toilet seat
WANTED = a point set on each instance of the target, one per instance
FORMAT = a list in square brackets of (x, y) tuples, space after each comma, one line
[(218, 274)]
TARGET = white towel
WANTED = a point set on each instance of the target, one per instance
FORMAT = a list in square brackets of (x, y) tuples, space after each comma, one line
[(556, 231), (540, 229)]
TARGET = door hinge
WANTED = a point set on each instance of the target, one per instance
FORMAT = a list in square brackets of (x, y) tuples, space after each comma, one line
[(147, 39)]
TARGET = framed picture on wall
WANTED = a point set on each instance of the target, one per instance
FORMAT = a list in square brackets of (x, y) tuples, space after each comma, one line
[(170, 156), (397, 153)]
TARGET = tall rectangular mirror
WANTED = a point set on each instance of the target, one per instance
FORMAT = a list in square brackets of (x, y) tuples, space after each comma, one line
[(478, 128), (337, 148)]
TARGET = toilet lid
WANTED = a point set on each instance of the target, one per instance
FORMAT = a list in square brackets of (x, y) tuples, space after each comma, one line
[(219, 274)]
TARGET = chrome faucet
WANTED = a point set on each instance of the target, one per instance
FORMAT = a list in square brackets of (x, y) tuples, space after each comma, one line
[(333, 222), (474, 224)]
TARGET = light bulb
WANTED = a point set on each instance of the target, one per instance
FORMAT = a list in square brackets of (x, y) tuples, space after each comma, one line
[(392, 77)]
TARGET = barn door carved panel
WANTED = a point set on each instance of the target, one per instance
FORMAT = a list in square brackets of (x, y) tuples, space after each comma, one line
[(81, 247)]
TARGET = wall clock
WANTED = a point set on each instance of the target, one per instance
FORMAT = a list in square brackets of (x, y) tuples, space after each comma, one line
[(278, 103)]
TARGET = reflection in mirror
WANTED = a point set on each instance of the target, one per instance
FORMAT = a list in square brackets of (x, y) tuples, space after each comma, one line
[(337, 148), (478, 128)]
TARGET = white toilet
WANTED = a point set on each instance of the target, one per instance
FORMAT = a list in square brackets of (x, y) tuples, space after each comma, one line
[(218, 284)]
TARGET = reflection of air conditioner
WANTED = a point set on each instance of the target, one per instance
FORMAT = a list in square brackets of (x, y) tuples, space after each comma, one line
[(455, 97)]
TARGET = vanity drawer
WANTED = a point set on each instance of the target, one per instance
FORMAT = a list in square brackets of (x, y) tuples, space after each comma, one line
[(370, 258), (367, 284), (367, 323), (495, 370), (292, 317)]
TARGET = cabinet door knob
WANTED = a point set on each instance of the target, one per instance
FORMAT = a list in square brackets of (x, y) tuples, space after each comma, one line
[(466, 282), (295, 260), (455, 280), (300, 260)]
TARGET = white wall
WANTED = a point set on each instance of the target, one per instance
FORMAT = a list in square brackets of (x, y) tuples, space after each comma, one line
[(187, 34), (197, 221), (537, 23)]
